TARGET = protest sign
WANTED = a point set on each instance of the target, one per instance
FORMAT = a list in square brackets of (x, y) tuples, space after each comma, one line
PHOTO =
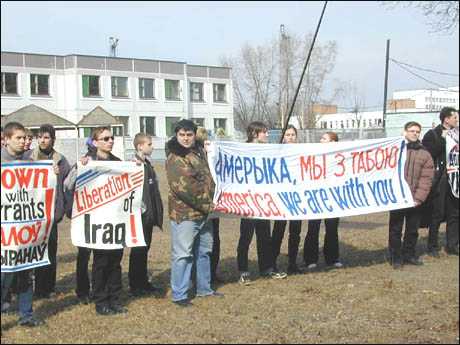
[(452, 160), (27, 214), (309, 181), (106, 211)]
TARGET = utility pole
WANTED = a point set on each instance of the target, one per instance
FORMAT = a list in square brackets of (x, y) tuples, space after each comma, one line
[(284, 66), (385, 88)]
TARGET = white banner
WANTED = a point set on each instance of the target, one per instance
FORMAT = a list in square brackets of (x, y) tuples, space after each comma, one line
[(309, 181), (28, 197), (106, 211), (452, 160)]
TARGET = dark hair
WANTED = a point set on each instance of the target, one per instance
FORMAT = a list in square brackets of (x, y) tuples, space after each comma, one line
[(98, 130), (333, 136), (186, 125), (291, 127), (412, 124), (47, 128), (254, 129), (446, 112), (11, 127)]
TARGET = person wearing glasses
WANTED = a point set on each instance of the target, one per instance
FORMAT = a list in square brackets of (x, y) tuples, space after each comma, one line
[(418, 172), (106, 263)]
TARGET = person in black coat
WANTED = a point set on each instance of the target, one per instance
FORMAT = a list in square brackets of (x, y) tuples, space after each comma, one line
[(152, 215), (442, 202)]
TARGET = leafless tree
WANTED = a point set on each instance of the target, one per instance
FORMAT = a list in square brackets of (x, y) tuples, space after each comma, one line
[(442, 16), (259, 80), (356, 100)]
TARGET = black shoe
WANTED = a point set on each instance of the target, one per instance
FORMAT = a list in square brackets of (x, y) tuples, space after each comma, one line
[(413, 261), (118, 309), (396, 263), (183, 303), (30, 322), (84, 300), (104, 310), (452, 251), (433, 253), (292, 270)]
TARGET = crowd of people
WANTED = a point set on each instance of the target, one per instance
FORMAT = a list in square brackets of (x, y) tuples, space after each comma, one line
[(195, 243)]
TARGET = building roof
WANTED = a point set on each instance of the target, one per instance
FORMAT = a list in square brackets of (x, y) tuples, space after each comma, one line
[(98, 117), (32, 116)]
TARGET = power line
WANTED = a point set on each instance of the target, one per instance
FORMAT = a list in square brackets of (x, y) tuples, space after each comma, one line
[(425, 69), (418, 76)]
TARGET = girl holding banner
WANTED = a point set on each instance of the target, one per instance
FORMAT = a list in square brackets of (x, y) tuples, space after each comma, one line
[(331, 239), (257, 133), (295, 226)]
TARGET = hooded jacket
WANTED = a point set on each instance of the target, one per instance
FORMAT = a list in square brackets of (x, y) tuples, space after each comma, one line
[(419, 171)]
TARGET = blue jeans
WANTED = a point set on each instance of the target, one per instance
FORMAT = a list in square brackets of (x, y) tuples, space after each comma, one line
[(25, 291), (191, 242)]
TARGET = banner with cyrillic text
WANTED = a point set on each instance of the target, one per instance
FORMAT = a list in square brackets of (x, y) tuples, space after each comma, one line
[(106, 212), (309, 181), (452, 160), (27, 214)]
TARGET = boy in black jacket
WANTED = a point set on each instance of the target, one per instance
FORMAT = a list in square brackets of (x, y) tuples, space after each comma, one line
[(152, 215)]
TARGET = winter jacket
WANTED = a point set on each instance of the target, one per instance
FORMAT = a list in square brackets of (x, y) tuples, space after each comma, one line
[(191, 187), (419, 171), (151, 198), (435, 143), (61, 202)]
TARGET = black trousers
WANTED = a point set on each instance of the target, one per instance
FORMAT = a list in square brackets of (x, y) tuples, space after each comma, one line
[(264, 244), (83, 286), (445, 206), (406, 248), (295, 227), (45, 277), (331, 241), (215, 254), (138, 260), (107, 276)]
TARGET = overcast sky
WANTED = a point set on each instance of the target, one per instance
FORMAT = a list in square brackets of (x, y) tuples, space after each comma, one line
[(202, 32)]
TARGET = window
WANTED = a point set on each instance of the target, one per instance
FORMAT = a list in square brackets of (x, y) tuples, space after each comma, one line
[(39, 84), (117, 130), (220, 123), (9, 83), (219, 93), (196, 92), (172, 90), (120, 87), (170, 123), (199, 122), (147, 125), (90, 85), (364, 123), (353, 123), (146, 88)]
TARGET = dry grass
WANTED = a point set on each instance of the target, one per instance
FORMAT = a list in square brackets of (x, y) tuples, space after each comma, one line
[(366, 302)]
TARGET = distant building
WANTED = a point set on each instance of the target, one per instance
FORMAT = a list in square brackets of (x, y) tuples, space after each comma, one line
[(141, 94), (428, 99)]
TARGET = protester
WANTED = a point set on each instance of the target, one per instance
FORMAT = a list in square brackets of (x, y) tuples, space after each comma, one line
[(45, 277), (295, 226), (29, 139), (152, 215), (15, 137), (331, 239), (2, 137), (190, 202), (202, 141), (106, 263), (418, 172), (257, 132), (444, 204)]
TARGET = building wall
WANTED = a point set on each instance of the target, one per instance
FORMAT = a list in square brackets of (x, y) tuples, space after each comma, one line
[(431, 99), (66, 89)]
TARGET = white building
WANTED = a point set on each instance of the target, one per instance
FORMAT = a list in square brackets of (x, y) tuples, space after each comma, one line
[(430, 99), (144, 95), (365, 119)]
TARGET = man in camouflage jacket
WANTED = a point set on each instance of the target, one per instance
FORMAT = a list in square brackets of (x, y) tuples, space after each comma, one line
[(190, 202)]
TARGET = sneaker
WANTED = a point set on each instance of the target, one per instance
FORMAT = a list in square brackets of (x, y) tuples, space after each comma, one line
[(276, 275), (245, 279), (397, 265), (336, 264), (183, 303), (104, 310), (118, 309), (312, 267), (85, 300), (213, 294), (292, 270), (30, 322), (434, 253), (452, 251), (413, 261)]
